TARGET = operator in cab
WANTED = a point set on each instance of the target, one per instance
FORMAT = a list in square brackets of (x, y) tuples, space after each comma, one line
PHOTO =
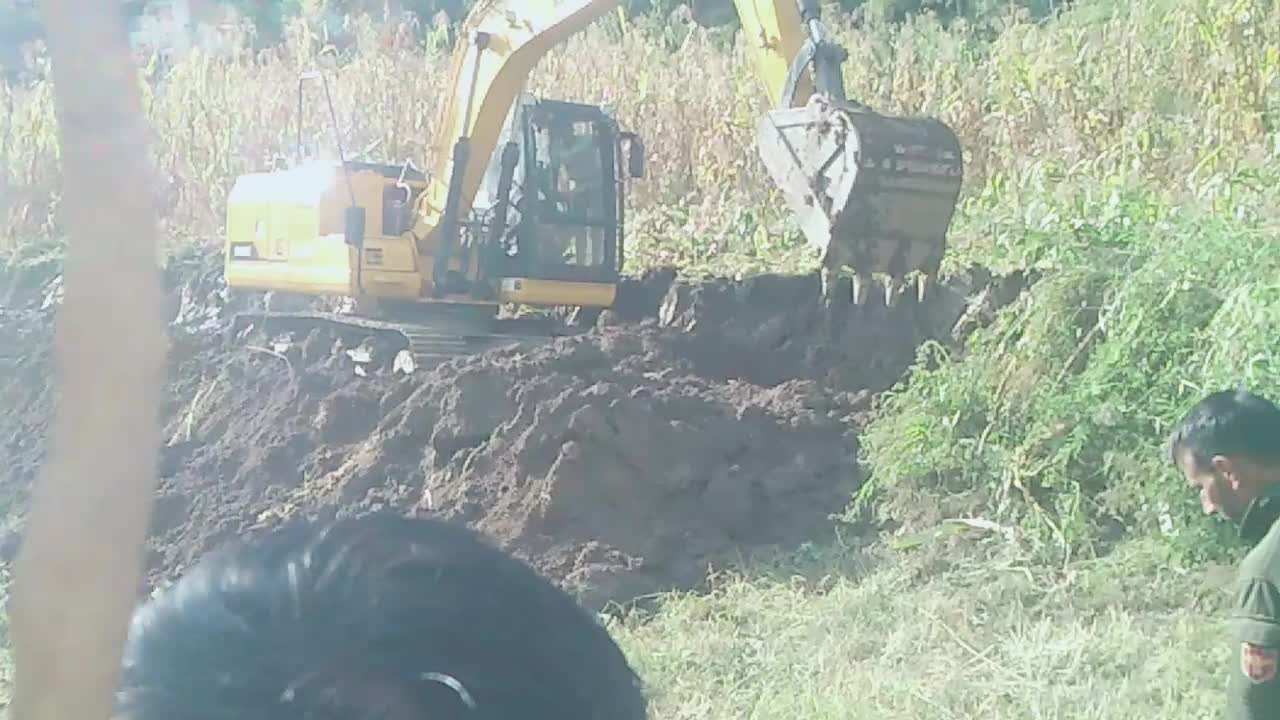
[(1228, 449)]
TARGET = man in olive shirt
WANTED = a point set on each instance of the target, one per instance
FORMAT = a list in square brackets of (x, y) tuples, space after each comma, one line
[(1228, 448)]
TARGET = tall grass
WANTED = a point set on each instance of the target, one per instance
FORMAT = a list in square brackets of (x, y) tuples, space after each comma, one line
[(1147, 196), (1171, 91), (946, 635)]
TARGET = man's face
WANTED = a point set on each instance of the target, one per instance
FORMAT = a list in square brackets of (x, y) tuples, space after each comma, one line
[(1226, 486)]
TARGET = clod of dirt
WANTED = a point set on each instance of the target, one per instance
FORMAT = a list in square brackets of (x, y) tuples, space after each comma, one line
[(694, 423)]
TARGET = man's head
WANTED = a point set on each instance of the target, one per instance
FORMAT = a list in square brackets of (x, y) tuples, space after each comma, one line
[(1228, 448), (377, 618)]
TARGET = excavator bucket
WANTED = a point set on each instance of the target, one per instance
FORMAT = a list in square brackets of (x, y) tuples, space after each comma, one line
[(871, 192)]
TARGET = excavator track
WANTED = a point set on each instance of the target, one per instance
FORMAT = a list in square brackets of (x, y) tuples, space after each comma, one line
[(434, 345), (429, 342)]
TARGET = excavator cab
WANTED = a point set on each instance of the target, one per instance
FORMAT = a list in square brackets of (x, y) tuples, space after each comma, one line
[(556, 215)]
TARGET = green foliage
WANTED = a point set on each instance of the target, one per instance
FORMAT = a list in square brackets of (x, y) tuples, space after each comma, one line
[(1147, 201), (981, 10), (949, 634), (1056, 414)]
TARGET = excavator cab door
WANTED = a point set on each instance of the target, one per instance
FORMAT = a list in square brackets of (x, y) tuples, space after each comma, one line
[(569, 220)]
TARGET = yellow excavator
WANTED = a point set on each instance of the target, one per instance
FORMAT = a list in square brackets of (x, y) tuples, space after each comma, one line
[(524, 203)]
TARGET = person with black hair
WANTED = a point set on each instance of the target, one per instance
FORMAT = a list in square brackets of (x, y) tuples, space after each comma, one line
[(378, 618), (1228, 449)]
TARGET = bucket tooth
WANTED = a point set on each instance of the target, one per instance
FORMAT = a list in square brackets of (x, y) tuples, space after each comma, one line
[(827, 281), (891, 290), (861, 287)]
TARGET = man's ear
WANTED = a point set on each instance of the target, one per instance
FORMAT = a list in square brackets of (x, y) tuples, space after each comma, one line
[(1223, 466), (1226, 469)]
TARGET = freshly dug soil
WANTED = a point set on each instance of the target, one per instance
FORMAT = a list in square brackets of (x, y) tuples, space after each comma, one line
[(700, 421)]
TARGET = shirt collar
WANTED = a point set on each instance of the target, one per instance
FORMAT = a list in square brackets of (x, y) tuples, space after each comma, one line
[(1261, 514)]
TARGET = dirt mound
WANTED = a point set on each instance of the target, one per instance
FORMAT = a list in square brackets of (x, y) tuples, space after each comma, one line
[(699, 421)]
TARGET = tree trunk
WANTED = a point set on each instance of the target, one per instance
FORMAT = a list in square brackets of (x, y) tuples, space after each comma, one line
[(80, 567)]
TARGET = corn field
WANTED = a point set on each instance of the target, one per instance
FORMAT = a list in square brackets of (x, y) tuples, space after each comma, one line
[(1176, 91)]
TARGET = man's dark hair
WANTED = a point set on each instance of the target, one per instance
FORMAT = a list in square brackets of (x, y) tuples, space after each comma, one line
[(1229, 422), (377, 618)]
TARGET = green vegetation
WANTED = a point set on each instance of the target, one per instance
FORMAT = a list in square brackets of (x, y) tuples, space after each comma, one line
[(946, 634), (1141, 181), (1128, 152)]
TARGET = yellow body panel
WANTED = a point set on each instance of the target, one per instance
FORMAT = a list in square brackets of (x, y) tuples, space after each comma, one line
[(774, 33), (292, 220), (389, 268), (532, 291)]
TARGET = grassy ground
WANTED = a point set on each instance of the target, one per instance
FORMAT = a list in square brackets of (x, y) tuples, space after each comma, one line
[(1128, 152), (1102, 598), (947, 633)]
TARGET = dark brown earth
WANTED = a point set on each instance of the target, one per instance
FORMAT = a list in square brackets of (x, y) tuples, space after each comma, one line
[(704, 420)]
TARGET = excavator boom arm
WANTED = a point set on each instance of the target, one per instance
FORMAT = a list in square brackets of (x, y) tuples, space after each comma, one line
[(775, 35), (870, 191), (501, 42)]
